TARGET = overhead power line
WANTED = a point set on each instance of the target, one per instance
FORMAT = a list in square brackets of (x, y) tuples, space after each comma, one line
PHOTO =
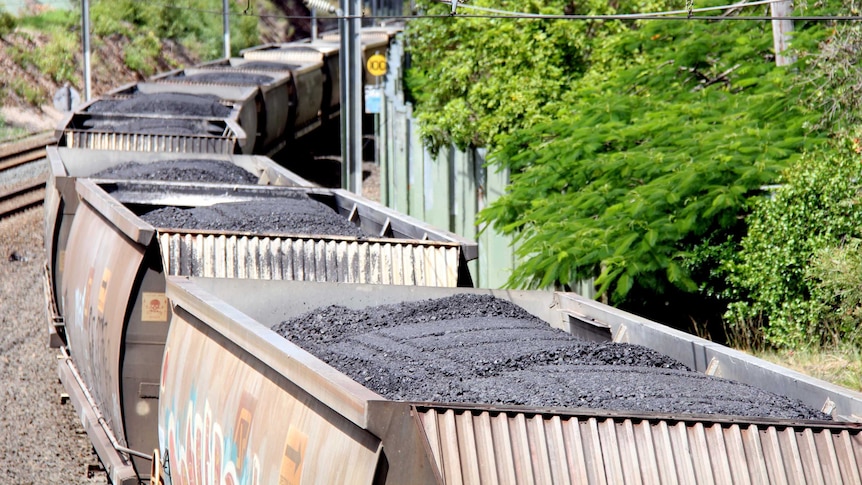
[(502, 14), (687, 12)]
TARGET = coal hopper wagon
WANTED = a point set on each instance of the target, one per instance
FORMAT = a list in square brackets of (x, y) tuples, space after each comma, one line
[(127, 235), (67, 165), (157, 122), (289, 382)]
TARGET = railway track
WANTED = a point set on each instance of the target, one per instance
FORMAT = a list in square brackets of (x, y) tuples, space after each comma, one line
[(22, 173)]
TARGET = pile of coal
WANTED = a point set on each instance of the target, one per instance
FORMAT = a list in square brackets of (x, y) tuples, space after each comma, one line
[(480, 349), (298, 215), (155, 126), (175, 104), (268, 66), (225, 77), (180, 170)]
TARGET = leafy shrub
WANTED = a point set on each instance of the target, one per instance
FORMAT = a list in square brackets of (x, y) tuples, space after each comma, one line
[(139, 55), (817, 208), (57, 59), (196, 23), (475, 80), (836, 273), (651, 153), (8, 22)]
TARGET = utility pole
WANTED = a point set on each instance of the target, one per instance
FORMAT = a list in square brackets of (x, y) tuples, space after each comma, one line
[(226, 24), (781, 29), (85, 39), (351, 95)]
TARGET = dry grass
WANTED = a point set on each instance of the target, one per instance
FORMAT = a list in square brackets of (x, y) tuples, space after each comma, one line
[(841, 365)]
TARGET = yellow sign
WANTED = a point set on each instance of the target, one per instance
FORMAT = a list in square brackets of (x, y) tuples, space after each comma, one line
[(154, 308), (376, 65)]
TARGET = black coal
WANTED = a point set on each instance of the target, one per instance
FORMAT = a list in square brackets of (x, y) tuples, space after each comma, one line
[(152, 126), (226, 77), (299, 215), (480, 349), (178, 104), (184, 170), (267, 66)]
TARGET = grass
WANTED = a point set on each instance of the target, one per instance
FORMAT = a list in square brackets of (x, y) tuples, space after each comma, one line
[(841, 365), (10, 132)]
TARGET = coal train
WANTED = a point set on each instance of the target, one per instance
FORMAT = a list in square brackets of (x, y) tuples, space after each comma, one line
[(178, 252)]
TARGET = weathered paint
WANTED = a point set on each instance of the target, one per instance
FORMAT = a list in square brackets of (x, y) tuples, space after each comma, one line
[(261, 429)]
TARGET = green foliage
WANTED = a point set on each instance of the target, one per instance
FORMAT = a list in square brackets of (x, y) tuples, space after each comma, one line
[(139, 54), (813, 214), (8, 22), (476, 79), (32, 94), (835, 78), (53, 20), (56, 59), (8, 132), (650, 153), (836, 273), (193, 22)]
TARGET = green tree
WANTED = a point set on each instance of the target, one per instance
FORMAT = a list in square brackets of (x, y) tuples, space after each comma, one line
[(786, 274), (476, 79), (651, 154)]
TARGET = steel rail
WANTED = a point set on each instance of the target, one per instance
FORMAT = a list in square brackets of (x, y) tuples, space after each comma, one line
[(31, 192)]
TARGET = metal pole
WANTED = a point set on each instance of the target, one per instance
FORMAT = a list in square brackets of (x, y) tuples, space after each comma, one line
[(314, 24), (781, 31), (85, 38), (351, 96), (226, 25)]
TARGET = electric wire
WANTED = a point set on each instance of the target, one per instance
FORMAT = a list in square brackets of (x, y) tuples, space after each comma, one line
[(502, 14), (640, 16), (671, 12)]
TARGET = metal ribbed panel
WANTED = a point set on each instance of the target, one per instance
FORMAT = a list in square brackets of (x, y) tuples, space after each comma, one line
[(149, 143), (400, 262), (285, 55), (487, 447)]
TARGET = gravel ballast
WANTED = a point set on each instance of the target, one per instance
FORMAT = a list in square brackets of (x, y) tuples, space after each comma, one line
[(480, 349), (43, 439), (180, 170)]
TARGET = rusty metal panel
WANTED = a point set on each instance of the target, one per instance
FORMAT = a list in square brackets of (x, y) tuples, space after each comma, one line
[(100, 273), (267, 421), (371, 261), (472, 446)]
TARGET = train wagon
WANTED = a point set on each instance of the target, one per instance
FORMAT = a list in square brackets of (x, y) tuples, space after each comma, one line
[(374, 41), (127, 235), (241, 403), (153, 132), (61, 201), (296, 52), (290, 100), (242, 100)]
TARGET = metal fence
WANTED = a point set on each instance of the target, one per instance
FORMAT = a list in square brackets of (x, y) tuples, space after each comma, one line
[(446, 190)]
